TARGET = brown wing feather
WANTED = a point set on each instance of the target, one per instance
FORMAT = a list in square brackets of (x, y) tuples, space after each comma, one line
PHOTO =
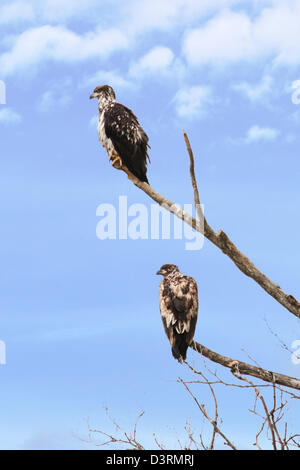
[(128, 138)]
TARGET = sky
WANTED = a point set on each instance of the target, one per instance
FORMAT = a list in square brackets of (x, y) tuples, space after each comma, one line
[(79, 315)]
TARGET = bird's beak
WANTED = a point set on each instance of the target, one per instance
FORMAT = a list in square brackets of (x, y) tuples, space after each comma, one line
[(159, 272), (93, 95)]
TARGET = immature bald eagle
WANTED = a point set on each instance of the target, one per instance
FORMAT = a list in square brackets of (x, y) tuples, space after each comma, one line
[(178, 301), (121, 134)]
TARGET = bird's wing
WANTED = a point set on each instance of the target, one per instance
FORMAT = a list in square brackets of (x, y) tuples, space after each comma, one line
[(128, 138)]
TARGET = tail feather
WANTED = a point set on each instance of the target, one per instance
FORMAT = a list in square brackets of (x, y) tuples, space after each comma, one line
[(179, 348), (138, 166)]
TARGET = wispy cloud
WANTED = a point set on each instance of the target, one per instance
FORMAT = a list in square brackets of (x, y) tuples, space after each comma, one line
[(45, 11), (9, 116), (112, 77), (257, 133), (15, 12), (94, 121), (57, 96), (193, 101), (255, 92), (157, 61), (51, 99)]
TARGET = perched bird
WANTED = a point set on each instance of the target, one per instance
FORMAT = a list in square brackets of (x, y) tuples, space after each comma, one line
[(178, 301), (120, 133)]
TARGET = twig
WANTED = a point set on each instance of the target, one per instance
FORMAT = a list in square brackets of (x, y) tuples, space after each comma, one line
[(204, 412)]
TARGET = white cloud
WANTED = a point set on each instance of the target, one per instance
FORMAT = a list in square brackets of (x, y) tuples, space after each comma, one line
[(157, 61), (9, 116), (45, 11), (164, 15), (110, 77), (255, 92), (59, 10), (56, 96), (225, 38), (277, 31), (193, 101), (295, 117), (16, 12), (257, 133), (58, 43), (231, 37), (51, 99), (94, 121)]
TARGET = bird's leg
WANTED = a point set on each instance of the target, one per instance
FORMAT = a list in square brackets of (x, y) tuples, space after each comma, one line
[(116, 161)]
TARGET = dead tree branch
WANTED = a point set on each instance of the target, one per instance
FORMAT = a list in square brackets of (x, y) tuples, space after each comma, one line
[(220, 239), (247, 369)]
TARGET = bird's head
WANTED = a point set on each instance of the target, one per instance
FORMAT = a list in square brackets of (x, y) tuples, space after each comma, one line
[(168, 269), (104, 94)]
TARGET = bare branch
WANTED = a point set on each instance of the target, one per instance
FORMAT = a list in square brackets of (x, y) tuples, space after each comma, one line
[(246, 369), (204, 412), (124, 440), (220, 239)]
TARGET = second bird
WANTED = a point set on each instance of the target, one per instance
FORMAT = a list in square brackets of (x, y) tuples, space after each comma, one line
[(178, 301)]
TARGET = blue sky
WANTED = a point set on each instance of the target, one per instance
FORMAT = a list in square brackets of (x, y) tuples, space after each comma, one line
[(80, 316)]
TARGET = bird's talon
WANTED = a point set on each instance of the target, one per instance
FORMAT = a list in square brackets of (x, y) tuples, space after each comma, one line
[(117, 163), (234, 366)]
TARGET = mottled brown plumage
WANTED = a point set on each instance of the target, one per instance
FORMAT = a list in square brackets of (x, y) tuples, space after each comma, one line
[(178, 301), (121, 134)]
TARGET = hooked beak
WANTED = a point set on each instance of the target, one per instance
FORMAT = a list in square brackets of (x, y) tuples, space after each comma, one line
[(93, 95), (159, 272)]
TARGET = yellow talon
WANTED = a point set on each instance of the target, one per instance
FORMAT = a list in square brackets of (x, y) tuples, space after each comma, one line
[(116, 161)]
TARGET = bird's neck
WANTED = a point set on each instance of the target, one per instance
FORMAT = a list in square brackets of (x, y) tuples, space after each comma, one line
[(104, 101), (173, 275)]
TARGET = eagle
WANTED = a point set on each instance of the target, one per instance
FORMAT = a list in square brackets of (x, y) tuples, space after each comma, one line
[(178, 302), (120, 133)]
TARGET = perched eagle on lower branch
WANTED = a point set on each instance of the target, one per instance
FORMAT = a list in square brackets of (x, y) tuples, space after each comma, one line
[(178, 301), (121, 134)]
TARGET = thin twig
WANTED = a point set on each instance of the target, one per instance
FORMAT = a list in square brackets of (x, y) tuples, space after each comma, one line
[(204, 412)]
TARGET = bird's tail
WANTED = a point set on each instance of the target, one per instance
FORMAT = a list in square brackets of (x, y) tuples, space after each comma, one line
[(139, 171), (179, 348), (145, 179)]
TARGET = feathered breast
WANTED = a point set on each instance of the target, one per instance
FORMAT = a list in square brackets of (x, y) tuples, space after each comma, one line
[(179, 304)]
